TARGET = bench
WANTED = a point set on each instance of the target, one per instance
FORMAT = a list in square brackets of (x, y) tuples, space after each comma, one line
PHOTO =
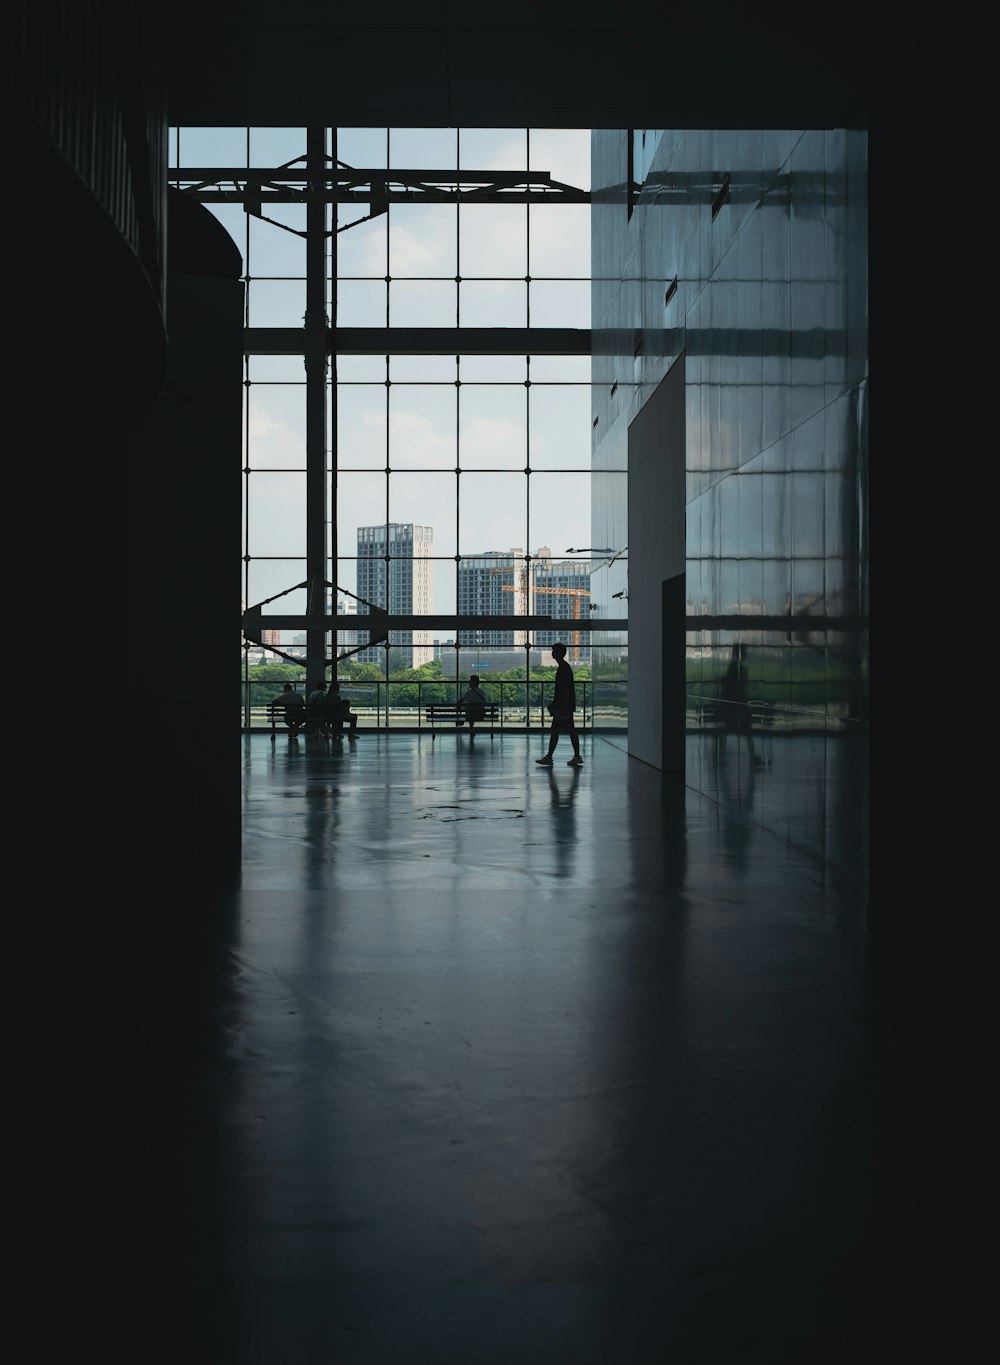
[(315, 719), (437, 713)]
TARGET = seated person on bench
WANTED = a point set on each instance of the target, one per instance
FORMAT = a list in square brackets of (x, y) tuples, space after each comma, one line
[(292, 703), (475, 701), (317, 704), (339, 711)]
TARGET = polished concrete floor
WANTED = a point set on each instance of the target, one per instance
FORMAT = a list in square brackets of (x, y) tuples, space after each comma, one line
[(464, 1061)]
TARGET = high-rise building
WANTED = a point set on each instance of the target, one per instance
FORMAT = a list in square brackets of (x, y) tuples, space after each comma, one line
[(347, 639), (507, 583), (561, 588), (271, 640), (395, 572), (492, 584)]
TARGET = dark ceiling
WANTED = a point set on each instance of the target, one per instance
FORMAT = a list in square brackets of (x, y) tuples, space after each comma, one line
[(294, 63)]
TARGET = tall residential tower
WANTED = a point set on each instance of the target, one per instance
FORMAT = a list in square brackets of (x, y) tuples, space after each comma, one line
[(395, 572)]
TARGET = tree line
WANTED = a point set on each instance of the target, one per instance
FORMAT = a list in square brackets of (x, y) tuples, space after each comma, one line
[(409, 686)]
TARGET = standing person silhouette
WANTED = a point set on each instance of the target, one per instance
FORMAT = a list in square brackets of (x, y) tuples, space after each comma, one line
[(561, 709), (736, 716), (474, 699)]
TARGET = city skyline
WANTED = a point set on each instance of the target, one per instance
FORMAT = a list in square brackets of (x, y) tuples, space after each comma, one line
[(493, 582)]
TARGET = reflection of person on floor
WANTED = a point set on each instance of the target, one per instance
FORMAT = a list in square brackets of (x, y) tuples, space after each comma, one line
[(561, 709), (735, 703), (292, 702), (339, 709), (474, 700), (564, 835)]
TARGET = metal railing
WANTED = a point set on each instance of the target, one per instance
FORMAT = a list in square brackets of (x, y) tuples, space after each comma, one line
[(387, 705)]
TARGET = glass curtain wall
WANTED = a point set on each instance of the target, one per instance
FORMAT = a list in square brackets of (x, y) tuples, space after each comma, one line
[(459, 476)]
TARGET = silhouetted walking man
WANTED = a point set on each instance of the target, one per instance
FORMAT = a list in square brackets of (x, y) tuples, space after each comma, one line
[(561, 709)]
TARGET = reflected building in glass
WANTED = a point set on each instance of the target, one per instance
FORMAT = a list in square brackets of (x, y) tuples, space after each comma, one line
[(730, 385)]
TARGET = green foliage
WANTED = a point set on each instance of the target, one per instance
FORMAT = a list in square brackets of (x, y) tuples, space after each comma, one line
[(354, 672), (412, 686), (267, 681)]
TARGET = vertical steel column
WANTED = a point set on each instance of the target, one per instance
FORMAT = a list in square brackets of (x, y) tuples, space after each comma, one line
[(315, 362), (334, 444)]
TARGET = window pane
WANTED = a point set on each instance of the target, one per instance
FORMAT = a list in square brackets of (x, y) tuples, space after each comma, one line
[(492, 512), (493, 304), (361, 501), (422, 240), (357, 369), (361, 303), (560, 303), (494, 240), (276, 514), (493, 149), (421, 427), (559, 240), (431, 149), (566, 369), (490, 662), (267, 578), (361, 427), (347, 583), (218, 147), (565, 154), (276, 436), (276, 146), (276, 303), (560, 510), (426, 500), (562, 590), (560, 427), (493, 369), (273, 251), (492, 427), (438, 369), (423, 303), (289, 369), (363, 147), (361, 246)]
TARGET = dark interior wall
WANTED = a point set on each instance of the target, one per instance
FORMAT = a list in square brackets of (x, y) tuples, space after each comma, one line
[(548, 64), (182, 519), (86, 111), (656, 556)]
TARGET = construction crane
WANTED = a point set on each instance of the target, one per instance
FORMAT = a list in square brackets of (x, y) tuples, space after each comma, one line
[(528, 594), (522, 603), (576, 594), (522, 587)]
